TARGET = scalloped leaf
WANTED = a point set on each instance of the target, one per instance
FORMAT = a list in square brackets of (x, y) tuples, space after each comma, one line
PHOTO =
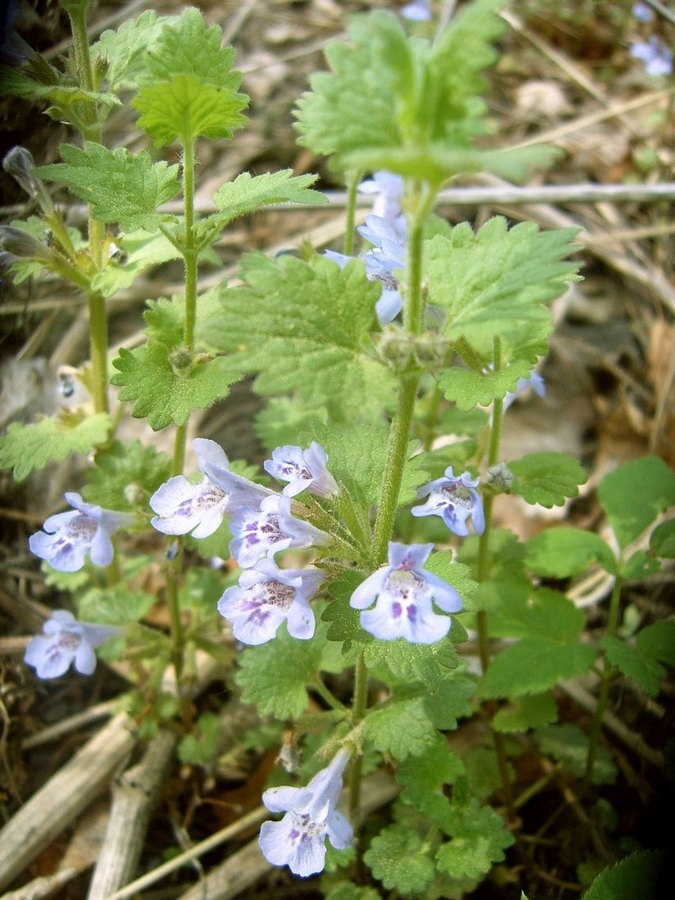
[(533, 665), (27, 447), (565, 551), (547, 478), (634, 494), (645, 671), (122, 188), (468, 389)]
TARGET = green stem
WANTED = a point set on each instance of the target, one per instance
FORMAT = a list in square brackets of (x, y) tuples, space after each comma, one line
[(326, 695), (353, 179), (98, 344), (359, 706), (190, 253), (605, 683)]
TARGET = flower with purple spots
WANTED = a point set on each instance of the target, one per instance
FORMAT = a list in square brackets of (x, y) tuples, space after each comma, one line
[(403, 592), (266, 597), (299, 839), (66, 640), (454, 499), (183, 507), (268, 530), (303, 469), (69, 536)]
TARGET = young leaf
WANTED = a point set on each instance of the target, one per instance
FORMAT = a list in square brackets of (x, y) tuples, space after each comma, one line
[(185, 108), (533, 665), (662, 540), (126, 475), (496, 281), (640, 668), (530, 711), (124, 49), (634, 494), (562, 552), (467, 388), (547, 478), (27, 447), (306, 329), (114, 606), (398, 858), (246, 194), (161, 392), (120, 187), (424, 777)]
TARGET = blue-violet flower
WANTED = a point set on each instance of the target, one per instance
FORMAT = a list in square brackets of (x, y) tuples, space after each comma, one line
[(403, 592), (184, 507), (268, 530), (417, 11), (266, 596), (69, 536), (303, 469), (66, 640), (299, 839), (387, 190), (454, 498), (642, 12), (654, 54), (535, 381)]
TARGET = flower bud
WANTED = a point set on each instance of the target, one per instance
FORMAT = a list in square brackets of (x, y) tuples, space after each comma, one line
[(500, 478), (20, 243), (19, 163)]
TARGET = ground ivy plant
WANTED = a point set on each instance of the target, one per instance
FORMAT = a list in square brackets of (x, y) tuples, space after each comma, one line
[(353, 567)]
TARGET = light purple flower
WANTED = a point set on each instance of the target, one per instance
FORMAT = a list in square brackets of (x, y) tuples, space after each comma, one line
[(642, 12), (66, 640), (386, 189), (299, 839), (657, 58), (454, 498), (303, 469), (403, 592), (535, 381), (69, 536), (417, 11), (268, 530), (184, 507), (266, 596)]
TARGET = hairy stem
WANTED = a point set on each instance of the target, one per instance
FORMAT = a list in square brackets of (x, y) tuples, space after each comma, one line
[(359, 706), (605, 683), (353, 179)]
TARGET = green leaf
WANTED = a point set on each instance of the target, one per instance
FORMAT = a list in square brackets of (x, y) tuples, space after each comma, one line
[(200, 748), (142, 251), (399, 661), (398, 858), (283, 419), (388, 97), (657, 641), (533, 665), (186, 108), (122, 188), (114, 606), (662, 540), (424, 778), (642, 669), (467, 388), (27, 447), (568, 744), (645, 874), (246, 194), (186, 46), (125, 48), (349, 891), (634, 494), (125, 476), (275, 675), (538, 613), (496, 281), (402, 728), (305, 327), (479, 838), (160, 394), (547, 478), (530, 711), (562, 552)]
